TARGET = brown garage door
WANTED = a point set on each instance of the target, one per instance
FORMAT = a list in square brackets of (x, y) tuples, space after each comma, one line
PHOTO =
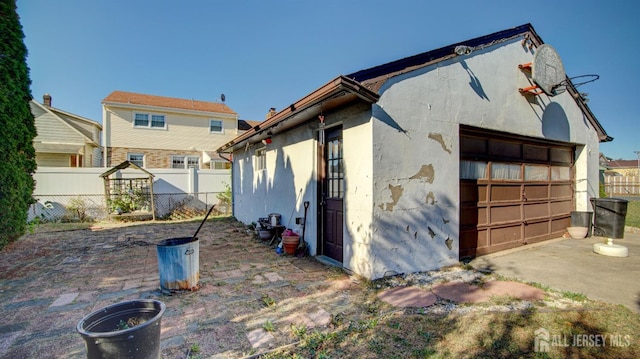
[(513, 191)]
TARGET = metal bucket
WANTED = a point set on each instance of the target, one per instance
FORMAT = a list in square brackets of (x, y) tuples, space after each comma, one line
[(179, 264)]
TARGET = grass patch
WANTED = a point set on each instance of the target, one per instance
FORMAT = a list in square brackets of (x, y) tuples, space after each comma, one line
[(577, 297), (633, 214), (477, 334), (57, 227)]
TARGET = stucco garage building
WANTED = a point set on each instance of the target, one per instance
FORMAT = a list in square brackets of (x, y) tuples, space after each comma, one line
[(415, 164)]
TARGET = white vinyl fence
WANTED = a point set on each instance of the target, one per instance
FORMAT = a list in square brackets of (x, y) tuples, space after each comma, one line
[(77, 194)]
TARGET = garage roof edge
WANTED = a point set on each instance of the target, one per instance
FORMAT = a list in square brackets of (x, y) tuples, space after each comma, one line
[(326, 92)]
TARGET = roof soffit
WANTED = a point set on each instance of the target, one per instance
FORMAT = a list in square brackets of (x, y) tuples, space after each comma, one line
[(335, 93)]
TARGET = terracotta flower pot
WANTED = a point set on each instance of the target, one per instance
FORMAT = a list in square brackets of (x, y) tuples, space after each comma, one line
[(290, 243)]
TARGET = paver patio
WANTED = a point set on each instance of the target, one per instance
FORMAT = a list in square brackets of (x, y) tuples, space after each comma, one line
[(49, 281)]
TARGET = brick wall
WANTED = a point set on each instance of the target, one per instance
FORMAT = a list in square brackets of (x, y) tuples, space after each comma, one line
[(153, 158)]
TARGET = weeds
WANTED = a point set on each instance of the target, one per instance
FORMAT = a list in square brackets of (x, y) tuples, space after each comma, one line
[(299, 331), (576, 297), (268, 326), (267, 301)]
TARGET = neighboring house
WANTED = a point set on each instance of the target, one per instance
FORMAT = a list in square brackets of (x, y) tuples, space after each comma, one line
[(64, 139), (164, 132), (421, 162), (625, 168)]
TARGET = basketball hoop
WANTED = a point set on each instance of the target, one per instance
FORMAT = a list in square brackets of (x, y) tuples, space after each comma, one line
[(547, 73)]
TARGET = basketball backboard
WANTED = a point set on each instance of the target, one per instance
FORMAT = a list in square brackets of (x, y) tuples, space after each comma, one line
[(547, 71)]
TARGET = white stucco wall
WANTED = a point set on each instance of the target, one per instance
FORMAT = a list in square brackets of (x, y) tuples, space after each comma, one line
[(358, 199), (401, 159), (259, 193), (416, 150), (290, 179)]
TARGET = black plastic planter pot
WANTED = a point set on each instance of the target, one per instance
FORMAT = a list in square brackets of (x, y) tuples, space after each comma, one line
[(106, 334)]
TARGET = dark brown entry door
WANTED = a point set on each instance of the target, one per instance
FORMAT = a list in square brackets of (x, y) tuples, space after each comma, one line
[(332, 195)]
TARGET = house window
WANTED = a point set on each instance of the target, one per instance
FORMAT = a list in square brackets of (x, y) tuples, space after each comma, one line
[(261, 159), (142, 120), (220, 165), (157, 121), (185, 162), (506, 171), (136, 158), (215, 126), (473, 170)]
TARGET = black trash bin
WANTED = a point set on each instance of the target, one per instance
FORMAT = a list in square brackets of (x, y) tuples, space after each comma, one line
[(582, 219), (609, 217)]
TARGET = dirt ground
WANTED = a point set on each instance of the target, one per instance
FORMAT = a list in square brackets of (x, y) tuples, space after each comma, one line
[(252, 300), (50, 281)]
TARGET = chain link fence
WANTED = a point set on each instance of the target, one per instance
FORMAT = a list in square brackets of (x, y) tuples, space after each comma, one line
[(93, 208)]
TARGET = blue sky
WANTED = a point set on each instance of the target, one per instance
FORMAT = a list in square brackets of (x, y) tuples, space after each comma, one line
[(264, 54)]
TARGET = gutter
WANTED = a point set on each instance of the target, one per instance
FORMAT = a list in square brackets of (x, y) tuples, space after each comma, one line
[(334, 89)]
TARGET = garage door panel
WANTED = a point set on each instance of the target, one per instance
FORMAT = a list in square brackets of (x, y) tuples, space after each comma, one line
[(561, 191), (560, 225), (505, 193), (533, 230), (536, 192), (536, 210), (505, 214), (561, 208), (505, 235)]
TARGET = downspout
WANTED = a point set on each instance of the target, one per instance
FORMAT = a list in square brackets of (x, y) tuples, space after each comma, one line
[(105, 135), (233, 192)]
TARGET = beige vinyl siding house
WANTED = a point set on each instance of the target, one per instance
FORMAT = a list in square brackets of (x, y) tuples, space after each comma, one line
[(164, 132), (64, 139)]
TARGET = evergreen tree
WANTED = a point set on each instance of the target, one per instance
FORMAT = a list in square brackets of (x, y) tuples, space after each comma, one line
[(17, 128)]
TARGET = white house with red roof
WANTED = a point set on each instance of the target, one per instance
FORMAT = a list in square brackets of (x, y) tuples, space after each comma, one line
[(165, 132)]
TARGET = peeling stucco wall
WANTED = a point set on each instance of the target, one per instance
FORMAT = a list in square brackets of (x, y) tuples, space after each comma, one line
[(401, 159), (416, 149)]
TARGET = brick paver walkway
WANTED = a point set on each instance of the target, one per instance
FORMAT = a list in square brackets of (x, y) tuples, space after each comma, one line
[(49, 281)]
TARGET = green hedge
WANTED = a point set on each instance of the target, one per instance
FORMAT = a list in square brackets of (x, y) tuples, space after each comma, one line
[(17, 128)]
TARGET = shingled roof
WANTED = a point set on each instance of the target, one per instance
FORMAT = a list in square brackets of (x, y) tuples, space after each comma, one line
[(131, 98)]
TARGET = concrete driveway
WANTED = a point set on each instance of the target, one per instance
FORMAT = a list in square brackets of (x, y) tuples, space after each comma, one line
[(571, 265)]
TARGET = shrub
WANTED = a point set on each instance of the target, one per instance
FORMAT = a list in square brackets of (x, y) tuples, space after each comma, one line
[(17, 154)]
